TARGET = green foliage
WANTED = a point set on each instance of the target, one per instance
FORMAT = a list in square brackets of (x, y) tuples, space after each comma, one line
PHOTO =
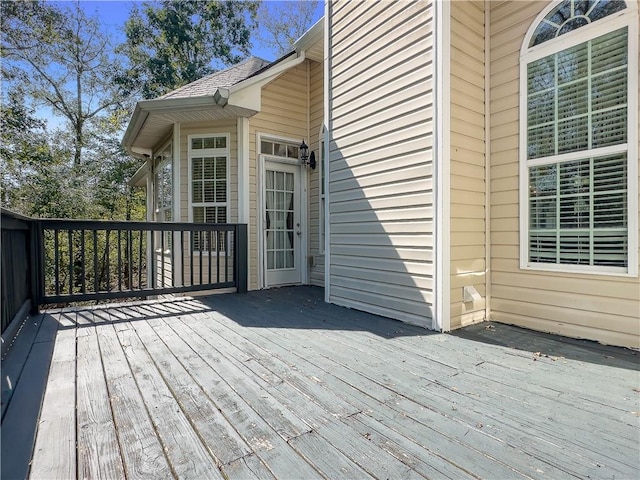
[(283, 23), (57, 57), (171, 43), (61, 59)]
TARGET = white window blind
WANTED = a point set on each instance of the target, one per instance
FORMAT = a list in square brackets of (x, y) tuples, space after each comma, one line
[(577, 101), (209, 159)]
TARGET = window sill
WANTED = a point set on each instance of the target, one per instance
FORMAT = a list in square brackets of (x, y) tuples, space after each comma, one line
[(580, 269)]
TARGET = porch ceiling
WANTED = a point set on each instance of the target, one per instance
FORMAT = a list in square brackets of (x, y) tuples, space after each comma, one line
[(156, 125)]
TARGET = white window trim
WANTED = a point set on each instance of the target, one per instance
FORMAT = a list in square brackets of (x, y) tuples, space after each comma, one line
[(321, 196), (260, 182), (161, 164), (157, 210), (626, 18), (208, 152)]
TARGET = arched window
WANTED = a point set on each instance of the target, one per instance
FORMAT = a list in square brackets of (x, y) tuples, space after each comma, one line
[(578, 138)]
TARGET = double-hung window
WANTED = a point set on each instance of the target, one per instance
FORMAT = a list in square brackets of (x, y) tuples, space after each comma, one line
[(164, 184), (164, 192), (209, 186), (579, 138)]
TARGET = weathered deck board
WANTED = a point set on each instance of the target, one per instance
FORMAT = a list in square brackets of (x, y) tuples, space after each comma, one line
[(19, 423), (182, 446), (98, 450), (142, 453), (278, 384), (55, 448)]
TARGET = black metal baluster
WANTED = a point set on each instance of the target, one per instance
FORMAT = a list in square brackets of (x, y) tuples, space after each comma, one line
[(217, 256), (152, 250), (202, 237), (119, 261), (226, 256), (209, 239), (95, 261), (107, 234), (83, 261), (130, 257), (56, 267), (140, 262), (162, 258), (182, 257), (70, 237), (193, 245)]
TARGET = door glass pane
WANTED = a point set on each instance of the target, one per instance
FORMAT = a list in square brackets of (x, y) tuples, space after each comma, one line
[(280, 236)]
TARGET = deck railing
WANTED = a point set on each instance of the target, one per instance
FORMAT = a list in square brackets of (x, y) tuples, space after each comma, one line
[(17, 265), (81, 260)]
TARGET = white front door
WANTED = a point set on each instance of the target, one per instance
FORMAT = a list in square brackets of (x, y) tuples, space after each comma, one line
[(282, 224)]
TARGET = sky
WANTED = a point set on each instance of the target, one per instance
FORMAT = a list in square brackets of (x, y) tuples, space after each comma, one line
[(113, 14)]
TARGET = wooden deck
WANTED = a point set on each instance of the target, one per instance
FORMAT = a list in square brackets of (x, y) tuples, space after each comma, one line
[(278, 384)]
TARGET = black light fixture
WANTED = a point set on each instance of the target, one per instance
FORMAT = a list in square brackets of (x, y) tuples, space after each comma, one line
[(305, 158)]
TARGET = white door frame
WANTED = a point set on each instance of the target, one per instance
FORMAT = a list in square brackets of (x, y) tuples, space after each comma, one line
[(261, 202)]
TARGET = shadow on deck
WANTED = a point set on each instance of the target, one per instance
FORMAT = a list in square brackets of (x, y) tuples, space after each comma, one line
[(279, 384)]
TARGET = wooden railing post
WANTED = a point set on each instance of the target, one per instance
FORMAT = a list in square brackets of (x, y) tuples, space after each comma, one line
[(240, 257), (36, 241)]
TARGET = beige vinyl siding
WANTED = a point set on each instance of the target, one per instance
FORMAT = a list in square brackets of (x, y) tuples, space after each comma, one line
[(380, 160), (316, 80), (598, 307), (284, 114), (467, 197)]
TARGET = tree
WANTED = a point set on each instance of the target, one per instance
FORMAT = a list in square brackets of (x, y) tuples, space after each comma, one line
[(177, 41), (282, 23), (62, 60)]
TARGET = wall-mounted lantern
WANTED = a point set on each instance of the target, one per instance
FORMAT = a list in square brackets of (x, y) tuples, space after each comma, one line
[(306, 158)]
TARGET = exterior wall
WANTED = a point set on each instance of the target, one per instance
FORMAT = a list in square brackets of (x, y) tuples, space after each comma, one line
[(285, 103), (316, 78), (598, 307), (467, 194), (380, 158)]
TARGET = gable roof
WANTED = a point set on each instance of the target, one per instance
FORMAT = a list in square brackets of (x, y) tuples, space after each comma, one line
[(208, 84)]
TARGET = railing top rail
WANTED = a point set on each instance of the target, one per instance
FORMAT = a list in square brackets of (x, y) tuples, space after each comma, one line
[(61, 224), (12, 214)]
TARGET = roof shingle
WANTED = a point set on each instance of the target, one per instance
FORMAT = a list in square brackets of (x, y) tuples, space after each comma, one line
[(208, 84)]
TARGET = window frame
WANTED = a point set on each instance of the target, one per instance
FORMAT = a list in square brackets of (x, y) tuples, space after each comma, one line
[(321, 192), (163, 162), (625, 18), (210, 152)]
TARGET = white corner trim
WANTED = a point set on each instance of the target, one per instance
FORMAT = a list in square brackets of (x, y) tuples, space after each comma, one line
[(326, 120), (487, 159), (632, 152), (243, 181), (176, 214), (442, 317)]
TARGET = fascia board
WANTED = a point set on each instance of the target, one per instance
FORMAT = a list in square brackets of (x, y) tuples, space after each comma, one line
[(310, 37)]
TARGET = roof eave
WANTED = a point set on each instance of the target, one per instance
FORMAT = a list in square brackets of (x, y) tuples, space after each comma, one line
[(168, 105)]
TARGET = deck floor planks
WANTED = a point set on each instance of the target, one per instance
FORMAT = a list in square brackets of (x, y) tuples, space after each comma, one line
[(348, 443), (571, 415), (581, 455), (329, 394), (98, 450), (142, 453), (186, 454), (20, 421), (373, 394), (216, 432), (266, 442), (55, 446), (18, 352)]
